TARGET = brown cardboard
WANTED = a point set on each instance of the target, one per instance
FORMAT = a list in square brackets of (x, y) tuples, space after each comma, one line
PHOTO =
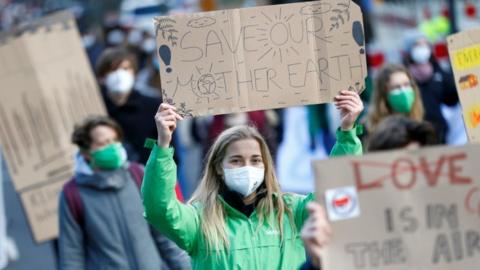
[(464, 50), (47, 87), (260, 58), (41, 207), (418, 209)]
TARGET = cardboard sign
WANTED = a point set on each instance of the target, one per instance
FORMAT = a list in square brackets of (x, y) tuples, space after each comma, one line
[(261, 58), (47, 87), (464, 49), (41, 207), (402, 210)]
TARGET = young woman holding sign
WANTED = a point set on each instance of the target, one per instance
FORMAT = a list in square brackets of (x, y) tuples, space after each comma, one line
[(238, 218)]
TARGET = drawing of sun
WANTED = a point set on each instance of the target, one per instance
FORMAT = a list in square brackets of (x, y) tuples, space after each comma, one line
[(275, 35)]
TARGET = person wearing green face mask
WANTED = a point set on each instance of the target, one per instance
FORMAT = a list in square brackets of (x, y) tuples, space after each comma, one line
[(401, 99), (110, 157), (100, 210), (395, 93)]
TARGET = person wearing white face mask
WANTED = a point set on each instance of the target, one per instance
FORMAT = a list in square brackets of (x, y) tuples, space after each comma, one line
[(437, 86), (238, 217), (116, 69)]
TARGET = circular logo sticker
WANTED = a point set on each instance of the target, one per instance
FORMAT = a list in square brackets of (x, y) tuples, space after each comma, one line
[(343, 203)]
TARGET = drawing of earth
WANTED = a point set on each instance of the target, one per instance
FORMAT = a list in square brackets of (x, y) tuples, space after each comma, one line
[(316, 9), (206, 84)]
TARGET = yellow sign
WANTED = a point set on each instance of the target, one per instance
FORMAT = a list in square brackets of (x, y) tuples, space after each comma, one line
[(467, 58)]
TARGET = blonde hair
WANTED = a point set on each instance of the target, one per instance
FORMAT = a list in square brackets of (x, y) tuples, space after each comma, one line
[(381, 109), (207, 193)]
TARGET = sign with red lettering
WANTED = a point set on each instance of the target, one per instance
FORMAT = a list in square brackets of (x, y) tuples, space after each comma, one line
[(418, 209)]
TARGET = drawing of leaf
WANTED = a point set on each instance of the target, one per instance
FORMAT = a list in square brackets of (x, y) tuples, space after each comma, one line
[(183, 111), (342, 8), (164, 20)]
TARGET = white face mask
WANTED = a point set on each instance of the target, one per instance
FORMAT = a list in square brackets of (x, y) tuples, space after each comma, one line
[(88, 41), (244, 180), (421, 54), (115, 37), (119, 81), (149, 45), (135, 37)]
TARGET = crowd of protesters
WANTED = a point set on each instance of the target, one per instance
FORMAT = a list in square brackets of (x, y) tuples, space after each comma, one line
[(229, 175)]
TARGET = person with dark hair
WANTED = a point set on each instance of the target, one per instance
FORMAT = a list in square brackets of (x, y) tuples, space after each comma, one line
[(436, 86), (100, 211), (116, 69), (398, 131)]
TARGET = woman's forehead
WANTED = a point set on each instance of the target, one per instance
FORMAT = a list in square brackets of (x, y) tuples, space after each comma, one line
[(398, 77), (244, 147)]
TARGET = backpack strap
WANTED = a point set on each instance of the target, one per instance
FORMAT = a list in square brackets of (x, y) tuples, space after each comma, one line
[(137, 172), (74, 202)]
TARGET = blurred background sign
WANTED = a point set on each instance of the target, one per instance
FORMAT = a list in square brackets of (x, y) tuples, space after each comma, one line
[(46, 65)]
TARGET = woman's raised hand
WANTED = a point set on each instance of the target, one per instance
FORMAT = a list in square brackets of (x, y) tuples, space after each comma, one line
[(350, 106), (166, 121)]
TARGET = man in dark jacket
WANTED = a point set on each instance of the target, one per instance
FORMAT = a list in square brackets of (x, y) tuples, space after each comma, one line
[(116, 69), (104, 227)]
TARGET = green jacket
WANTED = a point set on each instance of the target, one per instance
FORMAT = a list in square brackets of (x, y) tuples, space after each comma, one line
[(251, 246)]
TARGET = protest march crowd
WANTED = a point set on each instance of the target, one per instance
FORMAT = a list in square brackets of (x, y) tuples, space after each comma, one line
[(153, 189)]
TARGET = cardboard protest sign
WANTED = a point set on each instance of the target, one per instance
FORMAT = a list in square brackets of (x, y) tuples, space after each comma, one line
[(47, 87), (464, 49), (41, 207), (402, 210), (260, 58)]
